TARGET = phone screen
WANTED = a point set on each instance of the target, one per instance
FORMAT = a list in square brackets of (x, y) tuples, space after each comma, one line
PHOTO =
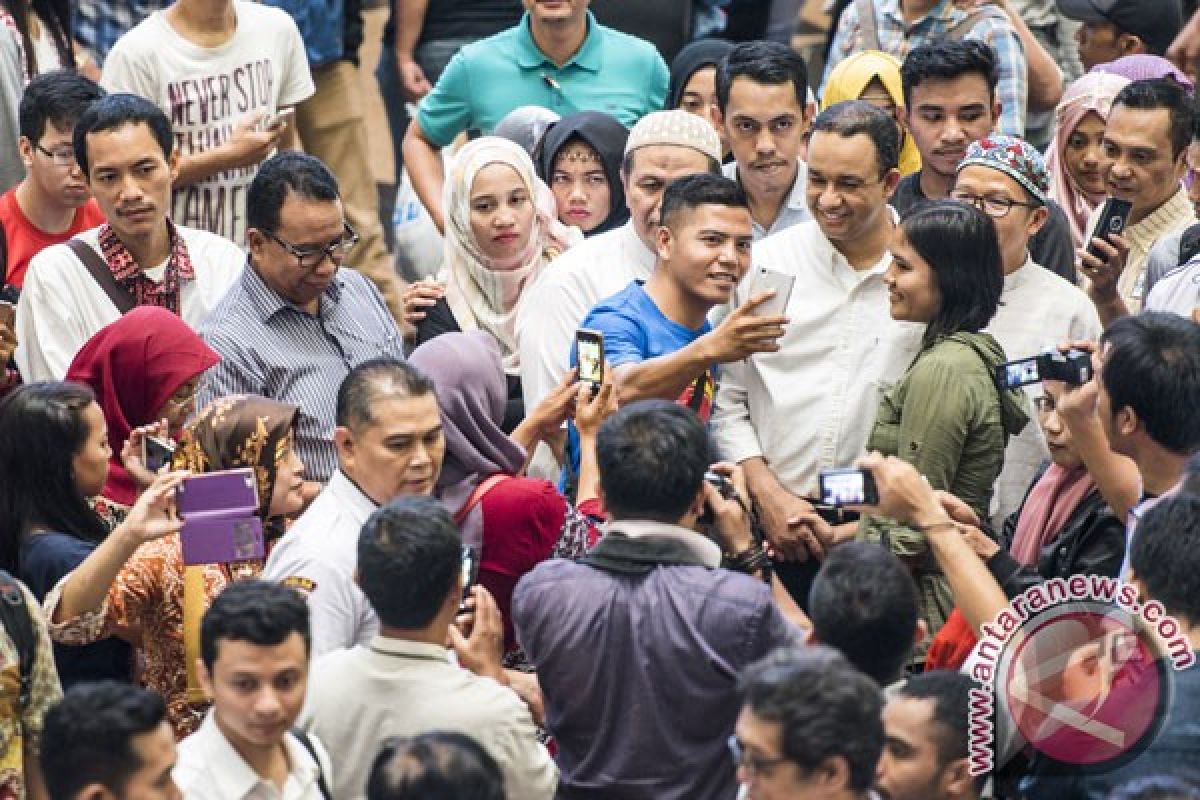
[(590, 348), (468, 574), (156, 452), (1019, 373)]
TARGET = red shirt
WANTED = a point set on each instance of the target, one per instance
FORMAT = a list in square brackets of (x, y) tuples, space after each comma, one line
[(25, 240)]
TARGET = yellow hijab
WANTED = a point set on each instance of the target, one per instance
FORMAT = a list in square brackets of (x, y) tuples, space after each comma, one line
[(849, 79)]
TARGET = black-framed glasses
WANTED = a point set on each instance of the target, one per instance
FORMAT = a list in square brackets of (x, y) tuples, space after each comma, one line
[(63, 157), (312, 257), (994, 207), (750, 762)]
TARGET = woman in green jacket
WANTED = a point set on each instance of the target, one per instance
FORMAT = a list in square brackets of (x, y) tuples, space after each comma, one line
[(946, 415)]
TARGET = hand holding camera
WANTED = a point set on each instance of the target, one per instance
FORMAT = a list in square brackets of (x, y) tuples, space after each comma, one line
[(725, 511), (147, 450)]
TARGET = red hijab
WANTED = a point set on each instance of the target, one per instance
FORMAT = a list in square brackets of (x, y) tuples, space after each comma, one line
[(134, 366)]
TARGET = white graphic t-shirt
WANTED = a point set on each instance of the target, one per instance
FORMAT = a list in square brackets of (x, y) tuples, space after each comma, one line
[(207, 91)]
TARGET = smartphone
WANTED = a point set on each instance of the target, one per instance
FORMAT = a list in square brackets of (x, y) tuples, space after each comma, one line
[(589, 351), (849, 486), (1113, 217), (156, 452), (279, 120), (220, 517), (8, 313), (1073, 367), (766, 279), (470, 569)]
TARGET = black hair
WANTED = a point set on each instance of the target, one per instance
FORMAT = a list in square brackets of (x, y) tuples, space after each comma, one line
[(1163, 93), (1191, 475), (365, 382), (951, 695), (42, 428), (946, 60), (853, 117), (864, 603), (1165, 555), (434, 766), (960, 245), (113, 111), (289, 172), (60, 97), (260, 612), (652, 455), (409, 554), (763, 62), (1152, 365), (1159, 787), (825, 709), (692, 191), (87, 738), (56, 16)]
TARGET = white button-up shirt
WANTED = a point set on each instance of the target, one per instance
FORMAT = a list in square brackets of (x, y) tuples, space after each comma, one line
[(794, 210), (208, 768), (811, 405), (318, 556)]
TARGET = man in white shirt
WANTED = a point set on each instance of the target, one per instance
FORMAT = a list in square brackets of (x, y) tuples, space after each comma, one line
[(254, 665), (123, 144), (1005, 178), (221, 71), (784, 416), (389, 443), (662, 146), (762, 105), (402, 683)]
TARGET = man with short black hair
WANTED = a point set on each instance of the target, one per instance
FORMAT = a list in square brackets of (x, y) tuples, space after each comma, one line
[(53, 203), (864, 603), (109, 741), (925, 755), (414, 768), (652, 593), (389, 443), (401, 683), (762, 104), (810, 728), (125, 148), (1113, 29), (950, 101), (297, 322), (254, 645)]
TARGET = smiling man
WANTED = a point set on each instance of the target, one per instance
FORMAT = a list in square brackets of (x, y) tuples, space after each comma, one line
[(124, 147), (296, 322)]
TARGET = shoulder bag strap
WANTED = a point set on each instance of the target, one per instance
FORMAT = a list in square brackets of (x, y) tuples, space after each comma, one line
[(867, 24), (14, 614), (103, 276), (477, 496), (303, 738), (964, 26)]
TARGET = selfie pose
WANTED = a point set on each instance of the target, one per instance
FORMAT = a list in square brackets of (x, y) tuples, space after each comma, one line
[(135, 585)]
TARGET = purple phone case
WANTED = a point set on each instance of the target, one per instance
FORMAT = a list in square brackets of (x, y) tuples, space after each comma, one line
[(220, 523)]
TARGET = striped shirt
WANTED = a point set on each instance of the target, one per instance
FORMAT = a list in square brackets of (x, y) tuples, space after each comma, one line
[(270, 347)]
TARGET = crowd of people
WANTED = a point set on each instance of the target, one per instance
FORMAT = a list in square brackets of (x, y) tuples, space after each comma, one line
[(742, 405)]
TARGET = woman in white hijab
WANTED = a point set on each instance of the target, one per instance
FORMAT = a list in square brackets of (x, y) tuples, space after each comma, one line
[(501, 232)]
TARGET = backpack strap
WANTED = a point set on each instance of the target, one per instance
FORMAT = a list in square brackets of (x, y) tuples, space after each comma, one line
[(102, 275), (307, 743), (14, 614), (965, 25), (867, 24), (477, 496)]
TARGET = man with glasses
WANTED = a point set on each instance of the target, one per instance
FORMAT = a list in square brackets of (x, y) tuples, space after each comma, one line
[(295, 323), (53, 203), (1005, 178), (810, 728)]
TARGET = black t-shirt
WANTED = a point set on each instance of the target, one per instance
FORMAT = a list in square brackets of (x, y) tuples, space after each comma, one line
[(461, 19), (1051, 246)]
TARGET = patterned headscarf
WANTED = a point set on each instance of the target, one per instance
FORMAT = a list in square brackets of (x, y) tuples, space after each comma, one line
[(1016, 158), (238, 431), (482, 292)]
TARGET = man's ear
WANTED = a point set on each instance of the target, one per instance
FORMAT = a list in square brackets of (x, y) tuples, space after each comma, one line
[(920, 633), (173, 164), (343, 439), (1126, 421), (25, 148), (890, 182), (997, 110), (663, 243), (204, 677), (956, 779), (1130, 44), (832, 775), (1037, 220)]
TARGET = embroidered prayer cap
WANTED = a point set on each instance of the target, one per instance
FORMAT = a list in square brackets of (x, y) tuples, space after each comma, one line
[(678, 128), (1014, 157)]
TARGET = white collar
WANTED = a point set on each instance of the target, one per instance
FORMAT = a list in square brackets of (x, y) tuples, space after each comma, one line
[(232, 774), (349, 496), (703, 547)]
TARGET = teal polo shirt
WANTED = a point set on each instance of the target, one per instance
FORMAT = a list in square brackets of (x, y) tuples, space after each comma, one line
[(613, 72)]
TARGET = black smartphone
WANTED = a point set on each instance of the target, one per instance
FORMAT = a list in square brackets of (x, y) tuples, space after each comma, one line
[(1113, 217), (470, 569), (156, 452), (589, 351), (848, 486), (1073, 367)]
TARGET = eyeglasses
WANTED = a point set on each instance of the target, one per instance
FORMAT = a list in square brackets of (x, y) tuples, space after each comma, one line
[(312, 257), (751, 763), (63, 157), (994, 207)]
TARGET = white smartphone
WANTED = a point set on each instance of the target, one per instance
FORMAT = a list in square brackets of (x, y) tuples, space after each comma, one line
[(279, 120), (766, 279)]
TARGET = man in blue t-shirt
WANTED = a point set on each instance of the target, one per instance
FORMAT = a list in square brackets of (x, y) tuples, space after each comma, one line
[(657, 338)]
